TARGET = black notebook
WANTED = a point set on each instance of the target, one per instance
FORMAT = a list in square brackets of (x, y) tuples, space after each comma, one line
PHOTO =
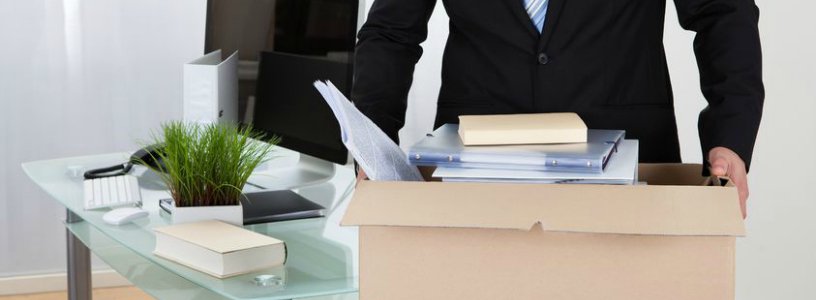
[(270, 206)]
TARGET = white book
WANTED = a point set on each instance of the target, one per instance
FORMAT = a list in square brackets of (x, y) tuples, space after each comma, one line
[(516, 129), (218, 249), (621, 169)]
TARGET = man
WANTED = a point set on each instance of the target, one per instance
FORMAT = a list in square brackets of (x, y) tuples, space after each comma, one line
[(599, 58)]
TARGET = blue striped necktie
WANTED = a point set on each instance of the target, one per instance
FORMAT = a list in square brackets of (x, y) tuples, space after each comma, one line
[(537, 9)]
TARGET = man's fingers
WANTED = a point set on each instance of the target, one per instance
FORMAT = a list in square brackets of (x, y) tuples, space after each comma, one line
[(738, 176), (725, 162), (741, 182), (740, 179), (719, 166), (361, 175)]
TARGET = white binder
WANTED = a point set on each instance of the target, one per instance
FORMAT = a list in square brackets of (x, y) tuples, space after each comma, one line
[(211, 89), (622, 169), (444, 148)]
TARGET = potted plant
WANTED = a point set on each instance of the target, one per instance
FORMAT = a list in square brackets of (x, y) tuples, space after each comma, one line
[(205, 167)]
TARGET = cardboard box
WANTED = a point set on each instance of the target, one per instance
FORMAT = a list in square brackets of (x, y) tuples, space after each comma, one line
[(672, 239)]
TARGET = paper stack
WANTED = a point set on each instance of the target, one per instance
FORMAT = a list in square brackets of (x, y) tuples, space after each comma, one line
[(604, 157), (529, 148), (621, 169), (444, 148)]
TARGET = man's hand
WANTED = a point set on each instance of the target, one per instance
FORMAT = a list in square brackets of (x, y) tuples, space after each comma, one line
[(725, 162), (361, 175)]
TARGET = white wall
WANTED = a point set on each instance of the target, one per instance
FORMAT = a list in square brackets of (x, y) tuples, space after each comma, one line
[(777, 260), (79, 77)]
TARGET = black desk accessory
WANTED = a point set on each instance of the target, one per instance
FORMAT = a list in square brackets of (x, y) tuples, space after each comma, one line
[(270, 206)]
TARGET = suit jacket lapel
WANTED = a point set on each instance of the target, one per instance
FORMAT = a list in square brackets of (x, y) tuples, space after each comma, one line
[(517, 8), (553, 13)]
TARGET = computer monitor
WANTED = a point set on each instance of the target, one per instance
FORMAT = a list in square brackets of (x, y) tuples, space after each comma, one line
[(283, 47), (287, 104)]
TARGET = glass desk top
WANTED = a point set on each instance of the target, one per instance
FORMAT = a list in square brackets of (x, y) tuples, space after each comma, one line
[(322, 255)]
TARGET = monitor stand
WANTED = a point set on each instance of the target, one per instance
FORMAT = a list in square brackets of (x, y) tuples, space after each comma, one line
[(308, 170)]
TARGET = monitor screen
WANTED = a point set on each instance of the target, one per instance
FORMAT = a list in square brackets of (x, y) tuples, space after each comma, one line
[(283, 47), (288, 105)]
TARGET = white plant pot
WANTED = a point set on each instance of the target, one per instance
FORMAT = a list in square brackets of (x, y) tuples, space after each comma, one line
[(233, 214)]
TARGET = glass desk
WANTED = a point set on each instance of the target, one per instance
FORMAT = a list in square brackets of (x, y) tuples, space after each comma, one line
[(322, 255)]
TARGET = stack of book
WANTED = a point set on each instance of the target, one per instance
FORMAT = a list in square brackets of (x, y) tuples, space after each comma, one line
[(529, 148)]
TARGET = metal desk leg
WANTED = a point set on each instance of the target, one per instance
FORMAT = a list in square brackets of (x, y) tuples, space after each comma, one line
[(79, 263)]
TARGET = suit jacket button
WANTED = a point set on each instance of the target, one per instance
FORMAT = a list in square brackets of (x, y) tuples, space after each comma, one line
[(543, 58)]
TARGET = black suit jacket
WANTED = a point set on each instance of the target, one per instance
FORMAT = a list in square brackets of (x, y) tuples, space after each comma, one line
[(603, 59)]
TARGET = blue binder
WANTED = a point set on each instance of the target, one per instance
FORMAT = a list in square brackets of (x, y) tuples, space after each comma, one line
[(444, 148)]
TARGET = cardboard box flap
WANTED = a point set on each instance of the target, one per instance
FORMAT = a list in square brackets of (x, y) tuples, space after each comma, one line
[(671, 174), (652, 210)]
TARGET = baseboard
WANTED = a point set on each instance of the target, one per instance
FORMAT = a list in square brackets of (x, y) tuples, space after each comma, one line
[(44, 283)]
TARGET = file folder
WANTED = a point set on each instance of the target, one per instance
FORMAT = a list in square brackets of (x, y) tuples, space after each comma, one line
[(622, 170), (444, 148)]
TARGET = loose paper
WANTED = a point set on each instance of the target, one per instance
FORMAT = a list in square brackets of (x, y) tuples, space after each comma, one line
[(377, 155)]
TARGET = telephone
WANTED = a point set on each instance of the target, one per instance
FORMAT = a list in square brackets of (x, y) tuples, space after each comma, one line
[(148, 156)]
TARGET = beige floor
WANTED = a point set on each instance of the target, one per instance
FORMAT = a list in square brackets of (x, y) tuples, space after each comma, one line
[(120, 293)]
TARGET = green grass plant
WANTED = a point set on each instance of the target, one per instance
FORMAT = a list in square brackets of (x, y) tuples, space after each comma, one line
[(208, 164)]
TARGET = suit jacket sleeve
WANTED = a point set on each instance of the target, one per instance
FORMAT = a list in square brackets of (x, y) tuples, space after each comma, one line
[(730, 62), (387, 50)]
